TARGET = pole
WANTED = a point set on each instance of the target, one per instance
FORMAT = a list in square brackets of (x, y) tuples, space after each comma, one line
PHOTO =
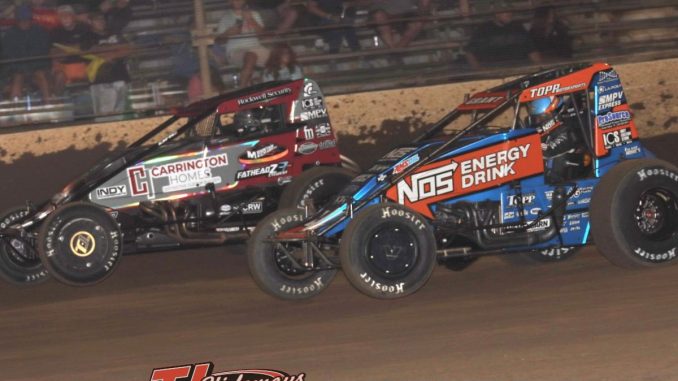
[(202, 40)]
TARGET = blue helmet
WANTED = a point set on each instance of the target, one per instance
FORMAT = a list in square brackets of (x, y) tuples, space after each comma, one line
[(542, 106)]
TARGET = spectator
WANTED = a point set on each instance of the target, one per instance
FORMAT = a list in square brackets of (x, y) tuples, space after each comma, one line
[(109, 83), (118, 14), (550, 36), (29, 45), (501, 41), (67, 39), (244, 52), (186, 67), (282, 64), (336, 18), (281, 13), (385, 11)]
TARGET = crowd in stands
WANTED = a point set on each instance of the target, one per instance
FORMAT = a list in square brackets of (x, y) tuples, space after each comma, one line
[(51, 45), (48, 45)]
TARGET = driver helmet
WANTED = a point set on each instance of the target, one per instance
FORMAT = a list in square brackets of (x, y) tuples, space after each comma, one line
[(543, 110), (248, 122)]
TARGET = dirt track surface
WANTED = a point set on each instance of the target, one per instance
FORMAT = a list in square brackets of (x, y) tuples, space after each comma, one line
[(583, 319)]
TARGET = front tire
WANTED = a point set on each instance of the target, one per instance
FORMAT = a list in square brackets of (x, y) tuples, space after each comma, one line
[(388, 251), (318, 184), (80, 244), (19, 260), (270, 267), (634, 214)]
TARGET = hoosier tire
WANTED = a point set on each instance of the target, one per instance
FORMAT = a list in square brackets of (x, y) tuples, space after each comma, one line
[(19, 261), (318, 184), (272, 270), (634, 214), (80, 244), (388, 251)]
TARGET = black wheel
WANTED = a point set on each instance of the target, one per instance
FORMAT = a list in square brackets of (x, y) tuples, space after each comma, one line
[(19, 261), (634, 214), (551, 255), (80, 244), (271, 264), (388, 251), (318, 184)]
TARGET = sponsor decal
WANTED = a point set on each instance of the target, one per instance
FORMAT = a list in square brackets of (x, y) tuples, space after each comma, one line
[(549, 126), (305, 133), (313, 114), (323, 130), (400, 167), (433, 182), (205, 372), (307, 148), (312, 103), (630, 151), (138, 181), (265, 154), (327, 144), (189, 165), (656, 257), (255, 207), (609, 88), (608, 101), (181, 175), (272, 170), (617, 138), (645, 173), (382, 177), (614, 119), (472, 172), (82, 244), (263, 97), (483, 100), (398, 153), (554, 89), (281, 222), (526, 199), (397, 288), (607, 76), (111, 192), (309, 90)]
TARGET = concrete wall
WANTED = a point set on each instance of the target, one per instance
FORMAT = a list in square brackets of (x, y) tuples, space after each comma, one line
[(368, 123)]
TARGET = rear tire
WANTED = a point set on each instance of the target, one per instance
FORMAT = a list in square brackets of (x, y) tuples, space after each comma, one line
[(80, 244), (318, 184), (388, 251), (272, 270), (19, 260), (634, 214)]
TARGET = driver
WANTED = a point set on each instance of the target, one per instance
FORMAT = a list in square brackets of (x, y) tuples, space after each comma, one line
[(251, 122), (563, 146)]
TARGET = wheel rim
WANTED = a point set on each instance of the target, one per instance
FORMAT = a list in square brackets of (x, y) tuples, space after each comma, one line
[(20, 254), (84, 243), (656, 214), (391, 251), (284, 263)]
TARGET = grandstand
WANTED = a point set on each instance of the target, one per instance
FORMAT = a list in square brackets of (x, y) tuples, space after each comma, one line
[(613, 30)]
